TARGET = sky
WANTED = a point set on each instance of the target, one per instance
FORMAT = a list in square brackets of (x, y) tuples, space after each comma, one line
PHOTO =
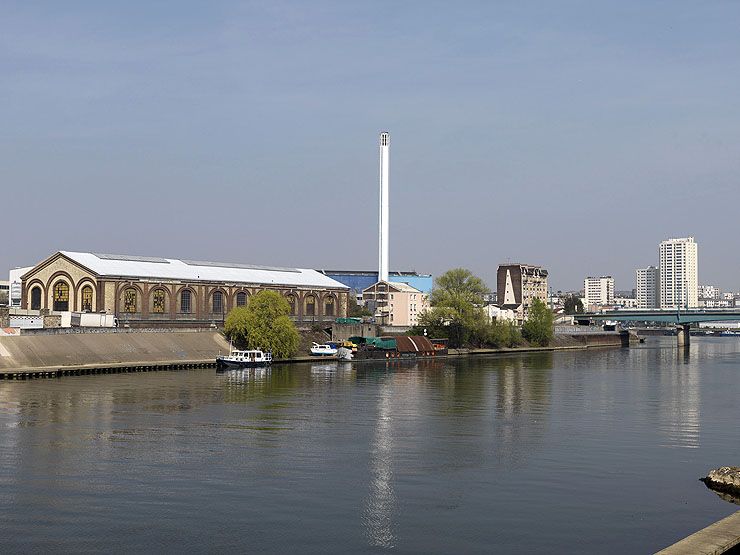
[(574, 134)]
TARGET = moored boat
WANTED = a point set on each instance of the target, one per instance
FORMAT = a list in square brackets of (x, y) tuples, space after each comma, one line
[(325, 350), (243, 359)]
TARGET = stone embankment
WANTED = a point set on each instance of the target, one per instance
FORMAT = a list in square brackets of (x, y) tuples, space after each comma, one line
[(62, 354), (36, 353)]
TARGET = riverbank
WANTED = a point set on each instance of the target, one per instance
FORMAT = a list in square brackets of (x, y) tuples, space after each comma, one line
[(47, 356)]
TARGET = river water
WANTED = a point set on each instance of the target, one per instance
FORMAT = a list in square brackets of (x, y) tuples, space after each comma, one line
[(568, 452)]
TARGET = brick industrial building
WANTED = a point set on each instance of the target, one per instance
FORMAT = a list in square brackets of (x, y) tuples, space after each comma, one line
[(162, 292)]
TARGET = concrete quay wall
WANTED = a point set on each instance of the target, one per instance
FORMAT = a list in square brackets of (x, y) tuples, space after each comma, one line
[(28, 352)]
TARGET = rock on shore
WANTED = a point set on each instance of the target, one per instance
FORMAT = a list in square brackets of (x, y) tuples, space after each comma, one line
[(725, 479)]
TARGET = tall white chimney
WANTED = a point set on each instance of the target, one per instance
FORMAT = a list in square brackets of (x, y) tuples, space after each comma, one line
[(385, 140)]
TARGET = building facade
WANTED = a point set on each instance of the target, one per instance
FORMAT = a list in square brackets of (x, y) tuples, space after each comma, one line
[(395, 304), (679, 273), (647, 289), (598, 291), (162, 292), (518, 284), (358, 280), (625, 302)]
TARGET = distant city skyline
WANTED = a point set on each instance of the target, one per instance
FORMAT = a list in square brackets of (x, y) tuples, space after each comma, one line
[(571, 136)]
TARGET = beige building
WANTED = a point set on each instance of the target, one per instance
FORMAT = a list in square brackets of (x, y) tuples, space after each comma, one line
[(396, 304), (518, 284), (163, 292)]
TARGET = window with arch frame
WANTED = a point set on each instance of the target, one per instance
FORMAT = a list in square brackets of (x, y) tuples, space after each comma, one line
[(129, 300), (36, 298), (87, 299), (218, 302), (329, 306), (241, 298), (185, 301), (292, 303), (310, 305), (61, 296), (158, 301)]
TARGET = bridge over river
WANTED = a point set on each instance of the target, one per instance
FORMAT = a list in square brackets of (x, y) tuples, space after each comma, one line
[(682, 318)]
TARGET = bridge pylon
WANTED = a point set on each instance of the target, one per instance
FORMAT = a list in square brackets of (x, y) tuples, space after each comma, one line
[(683, 337)]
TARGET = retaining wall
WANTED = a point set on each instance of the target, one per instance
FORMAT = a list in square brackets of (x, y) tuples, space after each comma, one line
[(42, 351)]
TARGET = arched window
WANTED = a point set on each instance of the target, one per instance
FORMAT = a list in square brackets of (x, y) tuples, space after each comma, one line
[(36, 298), (185, 304), (292, 302), (310, 305), (87, 299), (218, 302), (61, 296), (129, 300), (158, 301), (329, 306), (241, 298)]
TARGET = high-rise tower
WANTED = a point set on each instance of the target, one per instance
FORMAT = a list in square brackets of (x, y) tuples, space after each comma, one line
[(385, 140), (679, 273)]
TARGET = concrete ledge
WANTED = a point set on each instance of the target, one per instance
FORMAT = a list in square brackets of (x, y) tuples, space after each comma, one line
[(717, 538)]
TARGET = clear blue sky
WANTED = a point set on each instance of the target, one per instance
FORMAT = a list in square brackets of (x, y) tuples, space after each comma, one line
[(575, 135)]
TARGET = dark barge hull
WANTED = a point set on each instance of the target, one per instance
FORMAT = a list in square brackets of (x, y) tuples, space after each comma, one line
[(379, 354)]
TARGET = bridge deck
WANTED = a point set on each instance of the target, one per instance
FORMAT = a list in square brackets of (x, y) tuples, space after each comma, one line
[(666, 316)]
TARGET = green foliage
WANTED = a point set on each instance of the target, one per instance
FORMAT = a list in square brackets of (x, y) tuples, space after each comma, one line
[(459, 290), (538, 329), (264, 324), (573, 305), (504, 334), (354, 310), (235, 326), (457, 314), (456, 309)]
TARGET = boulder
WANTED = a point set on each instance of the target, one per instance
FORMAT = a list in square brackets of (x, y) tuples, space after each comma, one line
[(725, 479)]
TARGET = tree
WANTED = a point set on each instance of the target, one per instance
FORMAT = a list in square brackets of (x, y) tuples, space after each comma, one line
[(264, 324), (573, 305), (503, 333), (456, 308), (460, 290), (354, 310), (538, 329)]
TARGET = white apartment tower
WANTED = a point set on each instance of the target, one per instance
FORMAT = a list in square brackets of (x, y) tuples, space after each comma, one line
[(599, 291), (679, 273), (648, 287)]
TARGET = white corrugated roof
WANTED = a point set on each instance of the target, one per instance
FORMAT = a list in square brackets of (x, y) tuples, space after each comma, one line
[(403, 287), (185, 270)]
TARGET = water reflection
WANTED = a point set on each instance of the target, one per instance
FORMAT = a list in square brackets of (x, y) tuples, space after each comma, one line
[(523, 399), (678, 395), (366, 455), (380, 502)]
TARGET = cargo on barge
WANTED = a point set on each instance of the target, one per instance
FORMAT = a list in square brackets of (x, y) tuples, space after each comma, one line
[(399, 347)]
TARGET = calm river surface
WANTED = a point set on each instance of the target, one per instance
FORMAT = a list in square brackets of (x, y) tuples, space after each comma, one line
[(588, 451)]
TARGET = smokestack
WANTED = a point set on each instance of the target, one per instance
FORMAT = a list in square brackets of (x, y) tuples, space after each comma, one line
[(385, 140)]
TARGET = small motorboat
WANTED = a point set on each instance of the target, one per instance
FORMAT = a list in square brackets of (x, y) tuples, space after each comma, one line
[(325, 350), (243, 359)]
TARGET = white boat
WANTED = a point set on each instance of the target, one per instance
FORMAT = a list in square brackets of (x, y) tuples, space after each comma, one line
[(324, 350), (244, 359)]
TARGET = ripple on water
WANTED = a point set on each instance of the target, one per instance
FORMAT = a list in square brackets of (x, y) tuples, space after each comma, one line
[(518, 453)]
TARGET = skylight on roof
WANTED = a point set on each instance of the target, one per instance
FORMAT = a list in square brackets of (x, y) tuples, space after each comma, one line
[(127, 258), (239, 266)]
